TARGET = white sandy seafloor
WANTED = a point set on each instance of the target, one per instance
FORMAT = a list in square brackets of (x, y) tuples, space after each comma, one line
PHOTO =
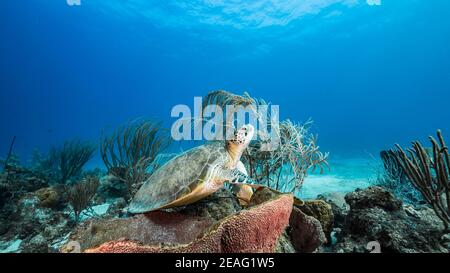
[(345, 175)]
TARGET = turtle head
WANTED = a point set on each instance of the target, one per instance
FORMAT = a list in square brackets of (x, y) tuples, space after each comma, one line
[(240, 140), (243, 135)]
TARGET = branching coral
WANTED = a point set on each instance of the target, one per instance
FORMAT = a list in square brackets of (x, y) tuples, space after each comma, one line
[(286, 166), (222, 99), (430, 174), (74, 155), (48, 163), (299, 150), (130, 151), (392, 176), (8, 156), (392, 165), (62, 163), (81, 194)]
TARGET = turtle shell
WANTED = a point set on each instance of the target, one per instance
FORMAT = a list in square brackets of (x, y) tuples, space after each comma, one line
[(178, 177)]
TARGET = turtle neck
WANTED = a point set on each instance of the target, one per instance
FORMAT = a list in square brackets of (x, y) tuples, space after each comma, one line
[(235, 152)]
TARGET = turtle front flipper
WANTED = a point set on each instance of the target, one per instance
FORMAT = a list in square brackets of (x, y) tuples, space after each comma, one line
[(236, 177), (243, 192)]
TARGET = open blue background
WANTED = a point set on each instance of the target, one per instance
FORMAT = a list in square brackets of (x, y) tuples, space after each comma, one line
[(369, 75)]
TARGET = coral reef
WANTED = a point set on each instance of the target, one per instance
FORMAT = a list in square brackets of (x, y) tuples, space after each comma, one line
[(175, 226), (285, 166), (10, 152), (34, 216), (305, 231), (54, 203), (73, 156), (221, 233), (63, 163), (112, 187), (322, 211), (223, 98), (285, 244), (373, 197), (48, 197), (37, 227), (217, 206), (82, 193), (131, 150), (430, 174), (256, 229), (338, 205), (14, 185), (49, 206), (39, 218), (155, 228), (393, 177), (376, 215), (392, 165), (197, 227), (307, 223)]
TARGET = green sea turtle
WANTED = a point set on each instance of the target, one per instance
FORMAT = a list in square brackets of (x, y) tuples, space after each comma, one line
[(196, 174)]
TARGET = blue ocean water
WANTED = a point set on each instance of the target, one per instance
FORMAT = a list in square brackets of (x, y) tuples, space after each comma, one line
[(370, 73)]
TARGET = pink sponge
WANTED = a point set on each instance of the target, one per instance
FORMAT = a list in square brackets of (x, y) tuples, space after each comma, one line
[(256, 229)]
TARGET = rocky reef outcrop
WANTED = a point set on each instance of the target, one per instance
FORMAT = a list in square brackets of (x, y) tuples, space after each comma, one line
[(376, 215), (305, 231), (310, 224), (359, 221), (37, 226), (256, 229), (338, 205), (36, 217)]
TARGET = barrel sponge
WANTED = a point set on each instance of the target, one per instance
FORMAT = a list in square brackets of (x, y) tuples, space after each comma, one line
[(254, 230)]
